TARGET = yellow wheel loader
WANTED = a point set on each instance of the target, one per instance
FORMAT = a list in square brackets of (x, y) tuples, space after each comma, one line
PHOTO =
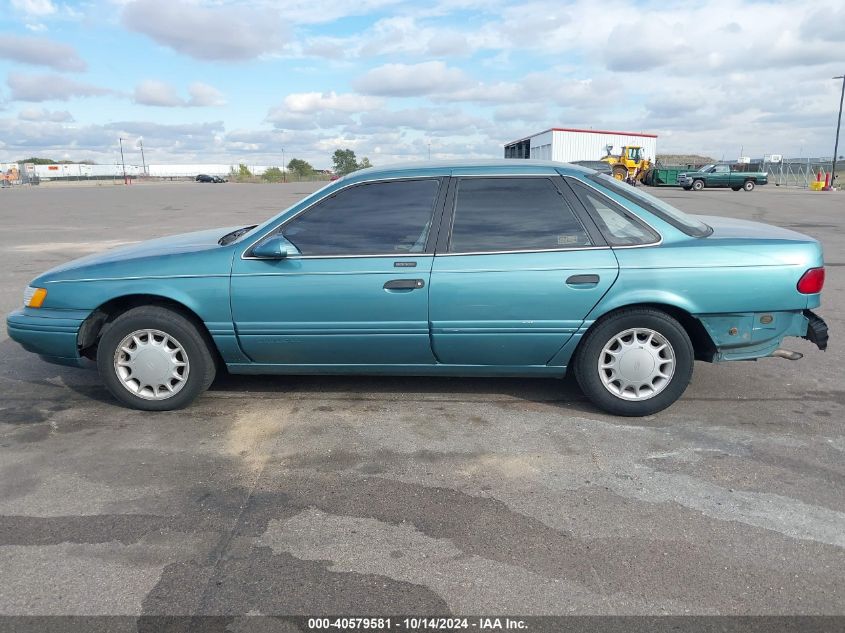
[(631, 164)]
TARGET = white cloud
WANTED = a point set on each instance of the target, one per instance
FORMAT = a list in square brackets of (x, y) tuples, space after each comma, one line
[(411, 80), (157, 93), (38, 8), (152, 92), (40, 114), (311, 110), (448, 120), (50, 87), (471, 74), (203, 95), (315, 101), (227, 33), (40, 51)]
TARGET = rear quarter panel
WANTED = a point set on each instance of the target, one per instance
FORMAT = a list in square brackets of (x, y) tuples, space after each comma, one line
[(714, 276)]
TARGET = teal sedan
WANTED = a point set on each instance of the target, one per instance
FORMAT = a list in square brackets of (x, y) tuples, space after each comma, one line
[(500, 268)]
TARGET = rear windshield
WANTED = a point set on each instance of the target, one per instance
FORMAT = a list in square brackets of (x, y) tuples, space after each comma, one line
[(664, 211)]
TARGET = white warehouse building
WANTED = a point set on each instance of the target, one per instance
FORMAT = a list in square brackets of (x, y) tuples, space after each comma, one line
[(568, 145)]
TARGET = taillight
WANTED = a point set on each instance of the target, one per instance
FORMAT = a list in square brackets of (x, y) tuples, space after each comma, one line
[(811, 282)]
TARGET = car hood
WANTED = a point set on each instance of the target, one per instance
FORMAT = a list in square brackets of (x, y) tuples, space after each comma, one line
[(161, 256), (732, 228)]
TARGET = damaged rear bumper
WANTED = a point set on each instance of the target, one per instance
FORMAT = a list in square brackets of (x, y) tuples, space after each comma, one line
[(753, 335), (816, 330)]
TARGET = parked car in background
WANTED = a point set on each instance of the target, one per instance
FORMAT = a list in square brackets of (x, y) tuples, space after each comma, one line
[(736, 176), (499, 268), (598, 165), (207, 178)]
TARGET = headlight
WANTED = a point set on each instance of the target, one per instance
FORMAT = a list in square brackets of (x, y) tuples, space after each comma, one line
[(34, 297)]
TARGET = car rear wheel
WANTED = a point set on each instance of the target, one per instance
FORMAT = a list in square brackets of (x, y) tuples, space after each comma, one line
[(636, 362), (154, 359), (749, 185), (698, 185)]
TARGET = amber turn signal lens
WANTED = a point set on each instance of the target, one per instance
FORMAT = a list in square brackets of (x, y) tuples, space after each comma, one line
[(35, 299)]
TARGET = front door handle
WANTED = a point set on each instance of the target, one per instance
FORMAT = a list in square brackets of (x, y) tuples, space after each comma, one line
[(583, 280), (404, 284)]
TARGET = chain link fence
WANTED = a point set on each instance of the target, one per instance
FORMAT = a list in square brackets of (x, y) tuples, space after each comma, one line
[(800, 172)]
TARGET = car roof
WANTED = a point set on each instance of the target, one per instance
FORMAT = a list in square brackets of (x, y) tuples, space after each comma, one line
[(466, 167)]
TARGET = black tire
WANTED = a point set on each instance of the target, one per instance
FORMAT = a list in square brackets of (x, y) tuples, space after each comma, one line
[(736, 188), (620, 173), (749, 185), (192, 340), (586, 361), (697, 185)]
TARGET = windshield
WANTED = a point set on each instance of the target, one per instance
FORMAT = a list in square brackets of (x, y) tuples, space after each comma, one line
[(677, 218), (706, 168)]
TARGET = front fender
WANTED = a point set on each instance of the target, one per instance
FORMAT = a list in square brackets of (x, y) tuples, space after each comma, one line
[(207, 296)]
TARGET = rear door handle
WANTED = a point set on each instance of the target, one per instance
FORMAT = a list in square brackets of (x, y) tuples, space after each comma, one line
[(583, 280), (404, 284)]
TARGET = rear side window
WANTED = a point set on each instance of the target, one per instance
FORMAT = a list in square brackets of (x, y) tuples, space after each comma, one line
[(666, 212), (618, 227), (513, 214)]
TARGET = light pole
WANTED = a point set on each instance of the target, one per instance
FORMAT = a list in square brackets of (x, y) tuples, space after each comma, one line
[(838, 125), (122, 162), (284, 167), (143, 160)]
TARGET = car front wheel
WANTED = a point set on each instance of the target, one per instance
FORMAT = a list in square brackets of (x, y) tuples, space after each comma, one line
[(635, 362), (698, 185), (154, 359)]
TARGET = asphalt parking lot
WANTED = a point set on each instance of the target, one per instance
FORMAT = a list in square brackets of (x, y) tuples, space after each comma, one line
[(339, 495)]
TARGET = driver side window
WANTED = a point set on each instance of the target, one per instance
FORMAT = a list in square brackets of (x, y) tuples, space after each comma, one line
[(380, 218)]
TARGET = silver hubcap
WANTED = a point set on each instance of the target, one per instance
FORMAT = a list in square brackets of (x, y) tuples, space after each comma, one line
[(151, 364), (637, 364)]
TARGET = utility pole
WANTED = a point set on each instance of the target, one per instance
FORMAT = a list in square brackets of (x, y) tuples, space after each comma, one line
[(284, 167), (838, 125), (122, 162), (143, 161)]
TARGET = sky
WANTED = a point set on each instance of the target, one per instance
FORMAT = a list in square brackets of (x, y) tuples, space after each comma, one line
[(226, 81)]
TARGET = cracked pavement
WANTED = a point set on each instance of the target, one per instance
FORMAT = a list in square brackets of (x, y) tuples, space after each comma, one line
[(382, 495)]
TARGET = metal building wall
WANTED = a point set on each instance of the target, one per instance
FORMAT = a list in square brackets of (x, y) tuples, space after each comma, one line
[(569, 146), (71, 171), (541, 146)]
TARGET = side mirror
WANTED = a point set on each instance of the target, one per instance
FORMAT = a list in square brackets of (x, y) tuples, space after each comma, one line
[(274, 247)]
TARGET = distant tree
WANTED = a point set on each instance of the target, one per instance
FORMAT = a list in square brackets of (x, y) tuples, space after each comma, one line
[(38, 161), (365, 162), (243, 171), (300, 167), (273, 174), (344, 161), (49, 161)]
